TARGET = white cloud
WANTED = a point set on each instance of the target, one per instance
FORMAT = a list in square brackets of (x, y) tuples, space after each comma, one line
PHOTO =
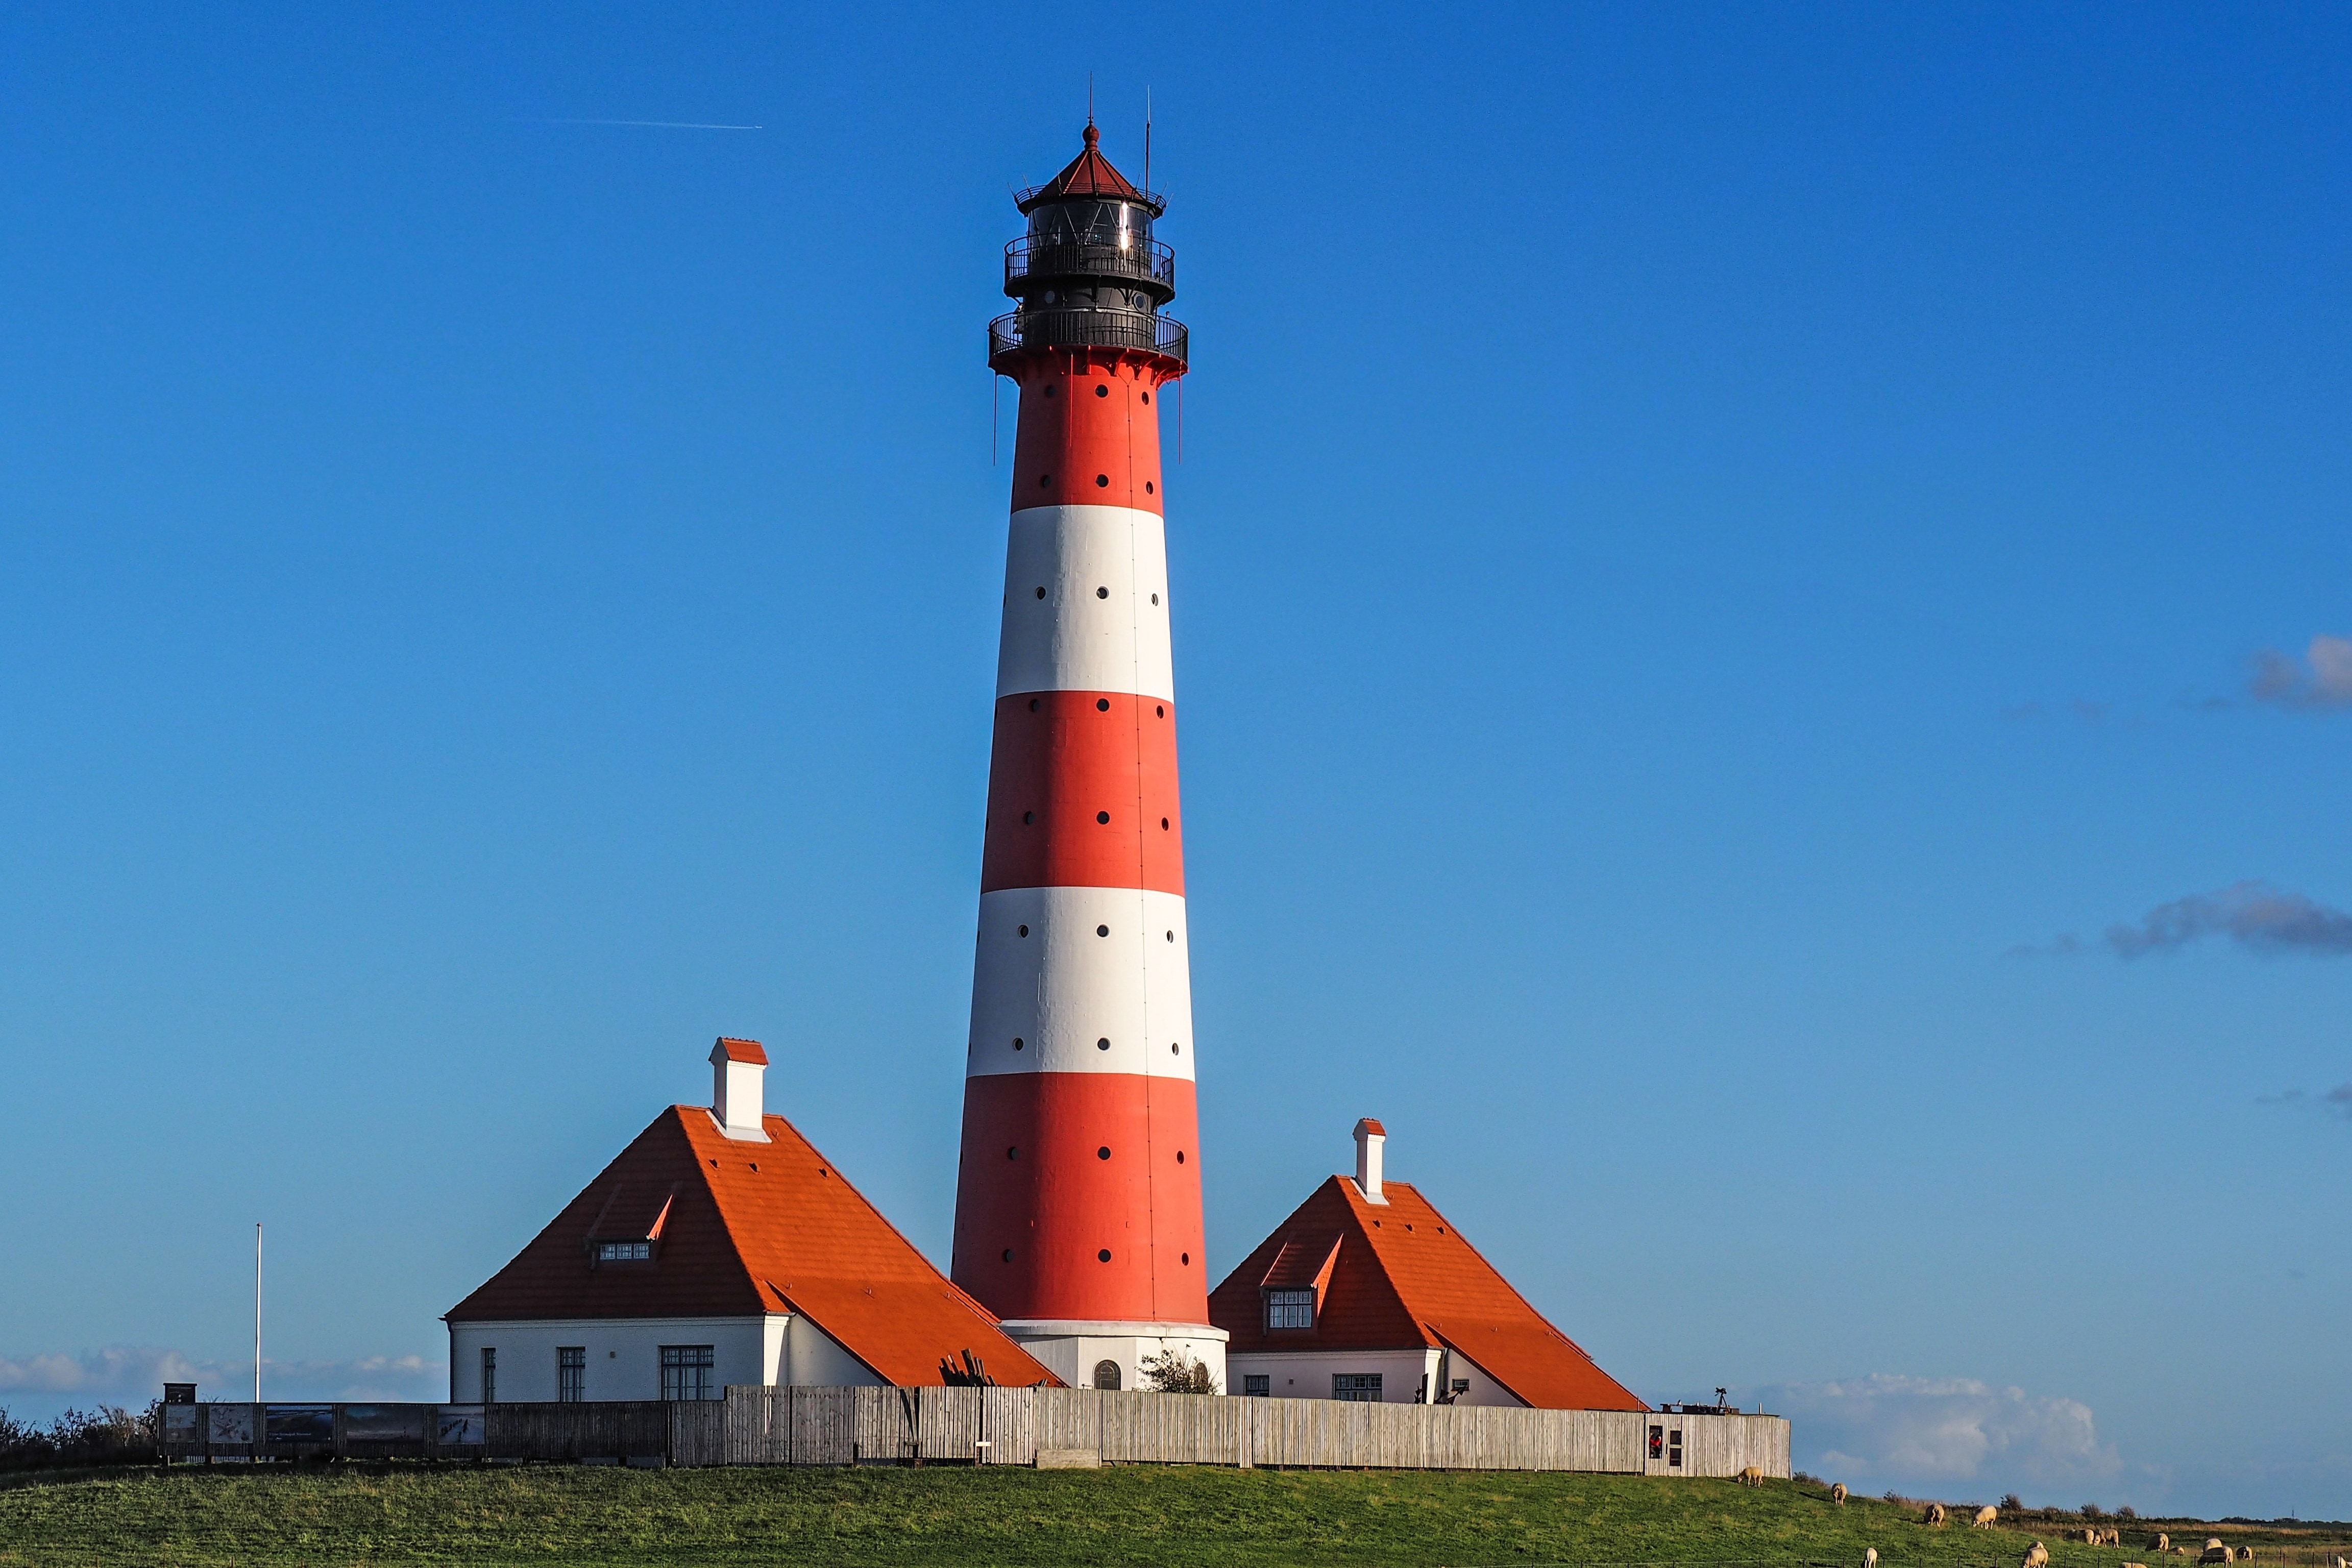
[(2323, 680), (133, 1375), (1926, 1433)]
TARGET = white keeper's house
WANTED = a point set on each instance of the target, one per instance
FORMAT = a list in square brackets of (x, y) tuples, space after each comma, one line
[(1367, 1292), (720, 1247)]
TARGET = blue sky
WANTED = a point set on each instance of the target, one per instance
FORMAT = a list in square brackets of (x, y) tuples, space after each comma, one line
[(1746, 586)]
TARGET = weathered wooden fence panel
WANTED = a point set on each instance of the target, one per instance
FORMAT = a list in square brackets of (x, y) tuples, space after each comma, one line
[(698, 1432), (595, 1429), (757, 1425), (948, 1423), (1008, 1424)]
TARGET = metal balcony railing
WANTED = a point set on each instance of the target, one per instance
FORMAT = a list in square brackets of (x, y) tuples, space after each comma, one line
[(1033, 256), (1070, 328)]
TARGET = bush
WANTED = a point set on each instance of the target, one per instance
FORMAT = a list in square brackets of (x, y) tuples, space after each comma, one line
[(1806, 1478), (108, 1434), (2092, 1511), (2128, 1512), (2012, 1503), (1169, 1373)]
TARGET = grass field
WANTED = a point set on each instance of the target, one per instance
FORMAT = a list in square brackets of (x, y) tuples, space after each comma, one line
[(1174, 1516)]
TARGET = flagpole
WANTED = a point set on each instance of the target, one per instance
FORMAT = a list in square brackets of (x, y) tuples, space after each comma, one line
[(257, 1312)]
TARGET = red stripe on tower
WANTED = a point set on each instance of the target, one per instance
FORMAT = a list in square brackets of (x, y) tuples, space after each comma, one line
[(1078, 1198)]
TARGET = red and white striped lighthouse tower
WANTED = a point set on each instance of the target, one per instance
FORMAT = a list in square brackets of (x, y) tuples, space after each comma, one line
[(1078, 1199)]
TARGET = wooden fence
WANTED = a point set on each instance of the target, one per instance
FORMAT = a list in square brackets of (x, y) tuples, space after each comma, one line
[(1009, 1425), (756, 1425)]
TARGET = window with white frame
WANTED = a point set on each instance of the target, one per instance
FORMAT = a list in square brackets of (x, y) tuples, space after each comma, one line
[(571, 1374), (1290, 1309), (1357, 1387), (687, 1372)]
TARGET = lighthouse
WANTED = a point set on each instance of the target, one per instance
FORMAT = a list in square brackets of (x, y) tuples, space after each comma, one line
[(1078, 1193)]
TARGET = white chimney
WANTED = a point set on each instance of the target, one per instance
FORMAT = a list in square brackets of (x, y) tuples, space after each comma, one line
[(735, 1068), (1370, 1136)]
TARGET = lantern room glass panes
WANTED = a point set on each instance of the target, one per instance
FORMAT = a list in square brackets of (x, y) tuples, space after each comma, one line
[(1119, 224)]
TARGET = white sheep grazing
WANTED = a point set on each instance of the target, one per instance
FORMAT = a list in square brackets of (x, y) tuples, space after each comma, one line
[(1985, 1516), (1870, 1558), (2036, 1556), (1838, 1494)]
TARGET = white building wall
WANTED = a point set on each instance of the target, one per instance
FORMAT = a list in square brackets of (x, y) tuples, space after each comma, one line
[(624, 1358), (1405, 1374), (1071, 1351)]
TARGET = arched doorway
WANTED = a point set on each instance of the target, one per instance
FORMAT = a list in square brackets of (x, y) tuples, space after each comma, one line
[(1106, 1375)]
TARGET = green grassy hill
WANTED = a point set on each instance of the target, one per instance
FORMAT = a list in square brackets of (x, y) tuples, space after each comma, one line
[(1231, 1519)]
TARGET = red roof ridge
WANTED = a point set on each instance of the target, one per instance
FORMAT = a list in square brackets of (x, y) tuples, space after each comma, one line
[(736, 1050)]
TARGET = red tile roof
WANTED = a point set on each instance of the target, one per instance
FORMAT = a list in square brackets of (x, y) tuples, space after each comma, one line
[(745, 1228), (1373, 1127), (736, 1050), (1402, 1277)]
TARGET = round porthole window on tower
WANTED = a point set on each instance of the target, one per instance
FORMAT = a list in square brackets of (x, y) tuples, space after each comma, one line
[(1102, 392), (1104, 1255), (1102, 931), (1102, 481), (1102, 593), (1103, 1043)]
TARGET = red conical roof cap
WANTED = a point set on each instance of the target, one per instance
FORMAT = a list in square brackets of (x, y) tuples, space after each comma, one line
[(1088, 174)]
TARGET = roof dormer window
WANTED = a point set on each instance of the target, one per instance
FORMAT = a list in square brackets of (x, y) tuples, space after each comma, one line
[(624, 1252), (1290, 1309)]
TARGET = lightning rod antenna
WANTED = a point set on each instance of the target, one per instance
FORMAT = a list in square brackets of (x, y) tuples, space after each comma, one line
[(1147, 141)]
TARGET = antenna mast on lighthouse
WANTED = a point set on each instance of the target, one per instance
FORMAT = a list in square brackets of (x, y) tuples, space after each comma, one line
[(1078, 1197)]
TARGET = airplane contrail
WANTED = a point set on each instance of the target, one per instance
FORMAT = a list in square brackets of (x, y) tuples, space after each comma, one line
[(656, 125)]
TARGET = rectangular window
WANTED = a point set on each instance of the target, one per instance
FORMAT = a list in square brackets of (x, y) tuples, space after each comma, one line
[(1675, 1447), (1461, 1385), (1290, 1309), (1657, 1441), (1357, 1387), (687, 1372), (624, 1252), (489, 1375), (1257, 1385), (571, 1374)]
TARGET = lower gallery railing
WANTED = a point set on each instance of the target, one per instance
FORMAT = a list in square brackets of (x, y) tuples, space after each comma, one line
[(755, 1426)]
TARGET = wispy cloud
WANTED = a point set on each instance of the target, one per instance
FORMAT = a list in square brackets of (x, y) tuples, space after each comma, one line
[(2253, 915), (2321, 680), (2336, 1101), (1927, 1433), (133, 1375)]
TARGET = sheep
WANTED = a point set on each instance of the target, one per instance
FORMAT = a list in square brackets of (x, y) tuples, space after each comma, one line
[(2245, 1554), (2161, 1544), (1933, 1517), (2036, 1556), (1984, 1517), (2088, 1536), (1750, 1477), (2215, 1552), (1837, 1494), (1870, 1557), (2115, 1537)]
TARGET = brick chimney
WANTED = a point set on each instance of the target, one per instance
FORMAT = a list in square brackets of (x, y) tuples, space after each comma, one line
[(1370, 1136), (736, 1068)]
